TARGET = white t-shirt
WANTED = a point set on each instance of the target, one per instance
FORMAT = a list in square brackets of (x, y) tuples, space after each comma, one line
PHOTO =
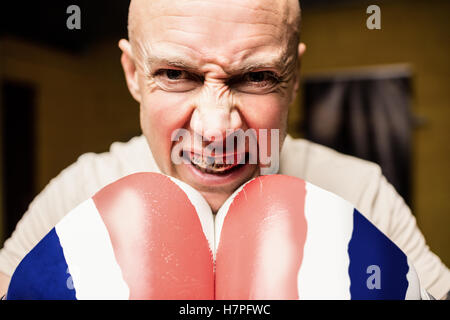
[(359, 182)]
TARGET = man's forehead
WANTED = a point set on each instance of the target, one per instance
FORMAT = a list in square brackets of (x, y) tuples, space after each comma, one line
[(198, 28), (283, 15)]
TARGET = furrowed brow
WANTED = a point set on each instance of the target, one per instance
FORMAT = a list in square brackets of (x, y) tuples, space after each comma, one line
[(175, 62), (277, 63)]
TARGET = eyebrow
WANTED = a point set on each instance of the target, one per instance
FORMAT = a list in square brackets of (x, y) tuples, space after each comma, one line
[(173, 62), (276, 63)]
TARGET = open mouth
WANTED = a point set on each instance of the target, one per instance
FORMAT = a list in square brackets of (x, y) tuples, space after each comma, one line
[(217, 165)]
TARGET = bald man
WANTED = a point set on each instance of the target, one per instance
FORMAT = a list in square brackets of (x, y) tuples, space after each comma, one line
[(208, 69)]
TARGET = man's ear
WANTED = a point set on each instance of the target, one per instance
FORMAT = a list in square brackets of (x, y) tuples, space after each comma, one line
[(129, 68), (301, 50)]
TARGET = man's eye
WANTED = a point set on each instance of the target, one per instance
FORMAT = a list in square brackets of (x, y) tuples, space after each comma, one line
[(176, 80), (172, 74), (258, 82), (257, 76)]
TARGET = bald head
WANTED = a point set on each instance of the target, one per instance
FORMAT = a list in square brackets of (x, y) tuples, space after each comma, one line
[(284, 14)]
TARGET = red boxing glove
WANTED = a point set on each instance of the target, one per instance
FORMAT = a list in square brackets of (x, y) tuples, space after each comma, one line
[(145, 236), (260, 244), (279, 237)]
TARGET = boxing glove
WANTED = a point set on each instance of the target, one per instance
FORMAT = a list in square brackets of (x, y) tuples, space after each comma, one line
[(279, 237), (148, 236), (145, 236)]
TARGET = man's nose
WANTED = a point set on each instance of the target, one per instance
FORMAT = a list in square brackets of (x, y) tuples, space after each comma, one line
[(212, 119)]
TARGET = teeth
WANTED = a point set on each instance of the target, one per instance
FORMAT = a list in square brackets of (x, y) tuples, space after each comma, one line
[(208, 164)]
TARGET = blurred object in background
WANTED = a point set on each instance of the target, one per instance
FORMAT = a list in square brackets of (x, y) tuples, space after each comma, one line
[(364, 113)]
